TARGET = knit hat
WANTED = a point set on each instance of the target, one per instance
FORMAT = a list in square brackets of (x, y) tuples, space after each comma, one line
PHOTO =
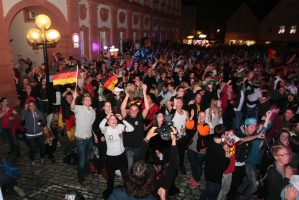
[(250, 121)]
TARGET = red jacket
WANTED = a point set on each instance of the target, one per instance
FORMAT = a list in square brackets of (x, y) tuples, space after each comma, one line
[(15, 125), (224, 97)]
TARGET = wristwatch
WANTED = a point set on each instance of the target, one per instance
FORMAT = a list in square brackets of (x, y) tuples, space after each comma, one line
[(145, 140)]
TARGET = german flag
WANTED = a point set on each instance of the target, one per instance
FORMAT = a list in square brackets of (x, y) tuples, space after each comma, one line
[(272, 54), (66, 76), (162, 59), (70, 124), (110, 82)]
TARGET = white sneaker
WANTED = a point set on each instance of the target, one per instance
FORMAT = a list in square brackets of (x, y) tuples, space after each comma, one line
[(20, 192)]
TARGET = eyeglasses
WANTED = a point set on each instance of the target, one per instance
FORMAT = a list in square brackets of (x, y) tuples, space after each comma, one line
[(284, 155)]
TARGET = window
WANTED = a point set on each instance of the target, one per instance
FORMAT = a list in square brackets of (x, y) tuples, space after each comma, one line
[(234, 28), (292, 4), (293, 29), (281, 30), (289, 16), (246, 15), (287, 4), (252, 29), (297, 16), (269, 29)]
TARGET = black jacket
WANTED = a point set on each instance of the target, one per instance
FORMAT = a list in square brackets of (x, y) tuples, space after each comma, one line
[(243, 149)]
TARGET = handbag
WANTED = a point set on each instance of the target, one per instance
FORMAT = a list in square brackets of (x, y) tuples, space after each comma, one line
[(11, 169)]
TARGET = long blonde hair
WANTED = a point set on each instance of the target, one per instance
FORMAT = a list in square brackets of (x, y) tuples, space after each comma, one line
[(55, 123), (214, 108)]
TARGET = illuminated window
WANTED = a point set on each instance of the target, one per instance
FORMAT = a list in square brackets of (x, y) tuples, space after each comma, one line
[(281, 30), (293, 29)]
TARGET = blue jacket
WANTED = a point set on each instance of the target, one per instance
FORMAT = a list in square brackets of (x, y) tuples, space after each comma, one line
[(121, 194), (33, 122)]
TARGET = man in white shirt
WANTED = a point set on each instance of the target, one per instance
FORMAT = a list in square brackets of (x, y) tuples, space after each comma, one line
[(85, 117)]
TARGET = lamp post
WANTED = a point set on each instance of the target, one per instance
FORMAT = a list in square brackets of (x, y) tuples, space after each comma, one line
[(44, 37)]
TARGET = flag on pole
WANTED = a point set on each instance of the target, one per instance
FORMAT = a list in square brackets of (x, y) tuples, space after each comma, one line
[(162, 59), (70, 123), (66, 76), (110, 82), (272, 54)]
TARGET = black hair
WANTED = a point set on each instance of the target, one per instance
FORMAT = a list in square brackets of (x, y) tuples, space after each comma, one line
[(219, 130)]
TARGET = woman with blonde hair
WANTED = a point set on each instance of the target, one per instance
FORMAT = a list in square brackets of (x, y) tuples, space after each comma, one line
[(214, 114), (278, 174)]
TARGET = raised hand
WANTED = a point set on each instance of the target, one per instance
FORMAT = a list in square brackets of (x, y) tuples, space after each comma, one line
[(119, 116), (151, 133), (192, 114), (109, 114)]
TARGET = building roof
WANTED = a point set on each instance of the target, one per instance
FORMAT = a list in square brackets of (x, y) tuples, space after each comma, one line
[(261, 8)]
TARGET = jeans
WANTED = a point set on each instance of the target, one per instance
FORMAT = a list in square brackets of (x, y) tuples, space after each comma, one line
[(181, 144), (2, 136), (131, 154), (237, 180), (113, 163), (237, 119), (196, 160), (43, 106), (226, 181), (13, 141), (102, 148), (251, 112), (211, 192), (249, 185), (83, 148), (32, 146), (50, 149)]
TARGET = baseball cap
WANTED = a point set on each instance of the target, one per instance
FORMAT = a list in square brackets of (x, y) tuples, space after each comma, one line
[(250, 121)]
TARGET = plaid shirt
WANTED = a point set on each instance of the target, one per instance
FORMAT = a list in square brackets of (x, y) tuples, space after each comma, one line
[(84, 121)]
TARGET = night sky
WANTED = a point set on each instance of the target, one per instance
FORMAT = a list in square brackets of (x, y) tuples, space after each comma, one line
[(260, 7)]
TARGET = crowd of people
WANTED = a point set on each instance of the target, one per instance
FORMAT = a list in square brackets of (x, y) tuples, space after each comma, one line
[(232, 110)]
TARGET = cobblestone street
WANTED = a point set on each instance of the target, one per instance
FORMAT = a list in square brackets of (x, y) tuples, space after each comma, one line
[(52, 180)]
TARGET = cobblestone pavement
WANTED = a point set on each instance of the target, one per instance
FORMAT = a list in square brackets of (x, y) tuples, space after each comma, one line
[(52, 180)]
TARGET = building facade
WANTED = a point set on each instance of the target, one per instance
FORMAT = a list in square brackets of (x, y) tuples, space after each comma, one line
[(282, 23), (212, 15), (98, 22), (242, 27), (188, 21)]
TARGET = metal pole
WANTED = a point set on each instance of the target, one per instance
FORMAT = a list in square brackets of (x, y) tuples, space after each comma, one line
[(47, 72)]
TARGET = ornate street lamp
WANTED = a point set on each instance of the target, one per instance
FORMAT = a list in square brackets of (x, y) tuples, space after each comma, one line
[(44, 37)]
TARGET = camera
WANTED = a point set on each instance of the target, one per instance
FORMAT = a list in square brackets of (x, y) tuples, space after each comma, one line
[(164, 132)]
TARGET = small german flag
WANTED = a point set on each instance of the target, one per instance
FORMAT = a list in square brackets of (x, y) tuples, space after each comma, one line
[(162, 59), (272, 54), (110, 82), (64, 77)]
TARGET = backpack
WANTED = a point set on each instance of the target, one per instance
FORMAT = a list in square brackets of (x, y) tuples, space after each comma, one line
[(11, 169)]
